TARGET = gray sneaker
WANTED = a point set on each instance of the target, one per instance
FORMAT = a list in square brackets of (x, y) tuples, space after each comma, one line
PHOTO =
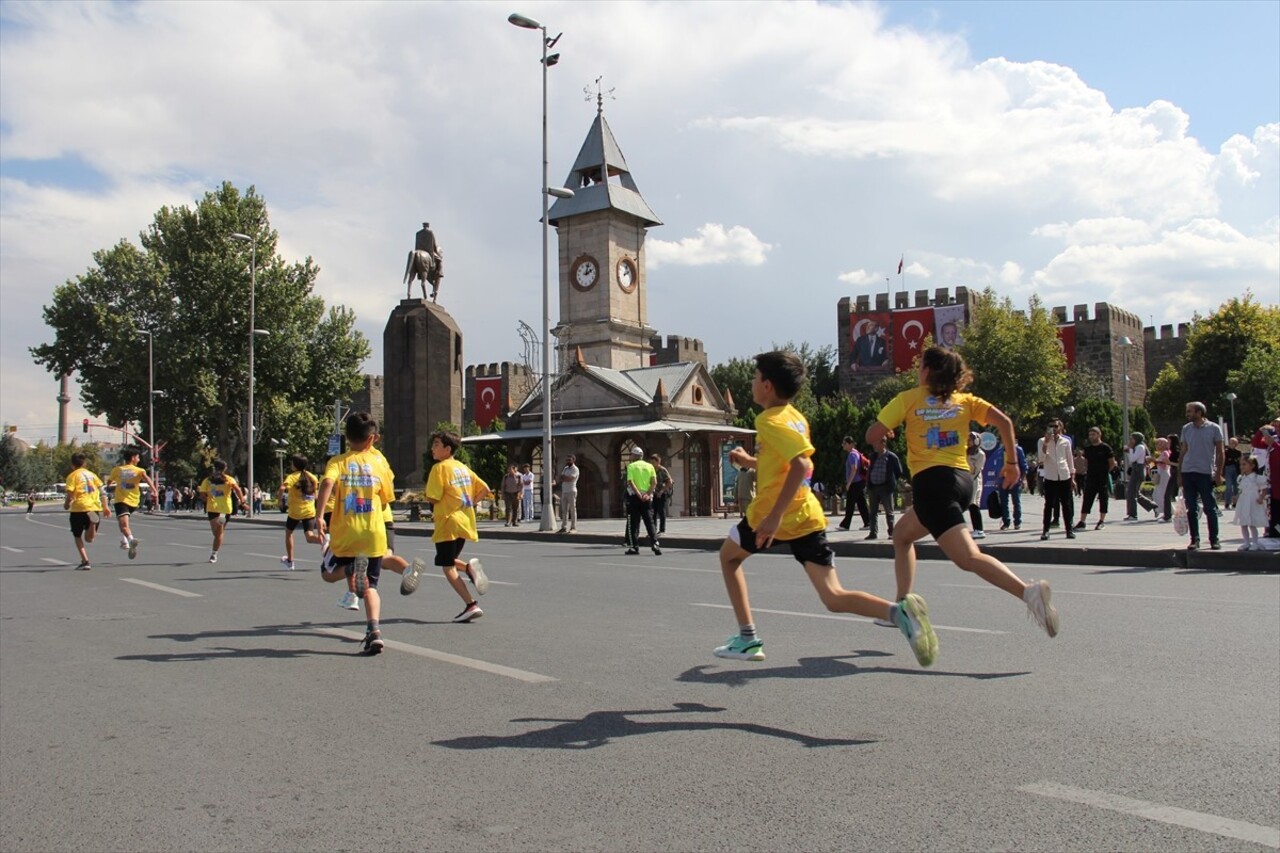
[(412, 577), (479, 579), (1039, 599)]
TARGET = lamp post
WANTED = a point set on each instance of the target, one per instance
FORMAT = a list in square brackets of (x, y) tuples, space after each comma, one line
[(1231, 398), (1125, 342), (151, 405), (253, 287), (546, 524)]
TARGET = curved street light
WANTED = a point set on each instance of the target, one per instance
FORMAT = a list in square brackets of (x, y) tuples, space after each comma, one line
[(253, 287)]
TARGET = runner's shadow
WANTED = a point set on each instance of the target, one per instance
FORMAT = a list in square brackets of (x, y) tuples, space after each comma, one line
[(836, 666), (228, 653), (599, 728)]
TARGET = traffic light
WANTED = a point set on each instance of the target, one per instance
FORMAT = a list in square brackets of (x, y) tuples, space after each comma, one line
[(85, 424)]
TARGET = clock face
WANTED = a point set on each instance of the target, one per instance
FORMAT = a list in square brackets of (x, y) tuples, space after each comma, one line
[(627, 276), (585, 272)]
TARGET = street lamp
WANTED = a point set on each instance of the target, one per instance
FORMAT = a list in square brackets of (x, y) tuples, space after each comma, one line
[(1231, 398), (253, 287), (547, 191), (1125, 342), (151, 406)]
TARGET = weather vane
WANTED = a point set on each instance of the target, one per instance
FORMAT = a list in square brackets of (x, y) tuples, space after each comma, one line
[(601, 94)]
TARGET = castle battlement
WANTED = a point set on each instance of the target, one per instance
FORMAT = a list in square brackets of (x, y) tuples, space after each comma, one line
[(677, 349), (1166, 332), (505, 369), (901, 299)]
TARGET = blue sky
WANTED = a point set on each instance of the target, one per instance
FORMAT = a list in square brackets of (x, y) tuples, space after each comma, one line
[(1081, 152)]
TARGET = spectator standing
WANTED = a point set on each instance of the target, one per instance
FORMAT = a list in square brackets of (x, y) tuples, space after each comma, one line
[(886, 470), (1057, 475), (1231, 471), (1252, 511), (855, 486), (1175, 477), (1163, 472), (526, 492), (1099, 462), (642, 480), (662, 494), (569, 475), (1203, 457), (977, 459), (1273, 472), (511, 487), (744, 489), (1012, 493), (1135, 473)]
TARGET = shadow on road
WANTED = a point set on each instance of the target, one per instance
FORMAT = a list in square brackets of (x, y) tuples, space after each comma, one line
[(599, 728), (836, 666)]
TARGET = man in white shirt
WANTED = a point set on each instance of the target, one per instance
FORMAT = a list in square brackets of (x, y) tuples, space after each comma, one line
[(1057, 477), (569, 495), (1135, 474)]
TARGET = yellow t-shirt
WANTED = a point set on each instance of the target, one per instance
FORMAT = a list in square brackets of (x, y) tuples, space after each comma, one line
[(85, 490), (218, 497), (301, 506), (127, 479), (937, 430), (453, 490), (782, 434), (387, 516), (362, 486)]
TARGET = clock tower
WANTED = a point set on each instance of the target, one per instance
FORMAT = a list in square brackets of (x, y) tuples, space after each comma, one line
[(601, 230)]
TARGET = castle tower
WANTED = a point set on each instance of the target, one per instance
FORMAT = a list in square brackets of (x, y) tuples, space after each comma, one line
[(601, 234)]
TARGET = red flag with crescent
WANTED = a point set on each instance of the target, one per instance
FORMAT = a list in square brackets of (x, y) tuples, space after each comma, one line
[(909, 330), (1067, 343), (900, 260), (488, 400)]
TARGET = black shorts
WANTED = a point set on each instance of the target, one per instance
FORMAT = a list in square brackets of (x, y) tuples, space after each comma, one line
[(347, 564), (124, 509), (810, 548), (448, 552), (80, 522), (940, 495), (307, 524), (212, 515)]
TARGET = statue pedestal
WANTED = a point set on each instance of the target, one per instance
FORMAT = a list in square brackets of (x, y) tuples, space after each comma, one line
[(422, 384)]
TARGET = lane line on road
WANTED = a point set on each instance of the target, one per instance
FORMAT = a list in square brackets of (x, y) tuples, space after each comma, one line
[(275, 557), (446, 657), (12, 550), (150, 585), (663, 568), (1200, 821), (184, 545), (844, 618), (1122, 595), (55, 561)]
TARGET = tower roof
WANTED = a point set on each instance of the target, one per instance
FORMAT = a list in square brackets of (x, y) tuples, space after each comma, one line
[(600, 180)]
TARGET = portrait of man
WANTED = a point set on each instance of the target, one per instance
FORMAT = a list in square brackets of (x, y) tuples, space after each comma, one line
[(869, 347)]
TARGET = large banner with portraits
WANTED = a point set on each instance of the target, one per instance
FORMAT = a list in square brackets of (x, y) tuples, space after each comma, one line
[(948, 321), (909, 330), (871, 342)]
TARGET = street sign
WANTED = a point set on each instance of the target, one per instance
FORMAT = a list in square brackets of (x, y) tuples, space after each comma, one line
[(335, 444)]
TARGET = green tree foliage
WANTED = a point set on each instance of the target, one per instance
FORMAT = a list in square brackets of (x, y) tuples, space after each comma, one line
[(821, 380), (829, 422), (1107, 414), (734, 376), (1256, 384), (1015, 358), (1219, 344), (1167, 397), (1084, 383), (189, 284)]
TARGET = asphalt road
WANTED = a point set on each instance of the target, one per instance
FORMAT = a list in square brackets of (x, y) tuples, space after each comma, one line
[(168, 704)]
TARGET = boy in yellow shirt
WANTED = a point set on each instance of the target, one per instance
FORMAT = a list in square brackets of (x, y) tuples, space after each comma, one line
[(361, 482), (84, 500), (786, 511), (127, 479), (453, 490)]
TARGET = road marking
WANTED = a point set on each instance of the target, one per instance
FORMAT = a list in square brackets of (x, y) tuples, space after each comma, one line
[(184, 545), (150, 585), (1121, 595), (663, 568), (275, 557), (11, 550), (56, 562), (844, 618), (446, 657), (1198, 821)]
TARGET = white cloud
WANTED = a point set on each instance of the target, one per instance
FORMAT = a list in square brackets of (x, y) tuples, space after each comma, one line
[(714, 244), (857, 278)]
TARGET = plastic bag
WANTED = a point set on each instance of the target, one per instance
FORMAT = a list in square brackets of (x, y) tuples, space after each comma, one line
[(1180, 523)]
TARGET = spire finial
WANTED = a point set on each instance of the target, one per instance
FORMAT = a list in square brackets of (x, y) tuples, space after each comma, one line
[(601, 94)]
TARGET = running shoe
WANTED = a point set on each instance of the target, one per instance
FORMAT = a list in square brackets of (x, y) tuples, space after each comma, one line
[(632, 551), (739, 648), (124, 544), (373, 644), (979, 534), (471, 611), (912, 616), (657, 552), (287, 563), (885, 623), (412, 577), (349, 601), (84, 566), (1039, 599), (213, 558), (360, 574), (133, 549), (479, 579)]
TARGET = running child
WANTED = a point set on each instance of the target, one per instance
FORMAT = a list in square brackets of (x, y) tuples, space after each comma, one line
[(217, 489), (785, 511), (128, 479), (453, 490), (84, 501), (298, 493), (937, 414), (361, 484)]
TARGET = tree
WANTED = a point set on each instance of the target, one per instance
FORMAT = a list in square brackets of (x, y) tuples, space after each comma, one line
[(1085, 383), (1167, 397), (1016, 360), (1256, 384), (1220, 343), (734, 376), (188, 284)]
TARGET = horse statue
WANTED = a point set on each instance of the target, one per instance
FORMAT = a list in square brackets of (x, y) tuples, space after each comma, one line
[(422, 266)]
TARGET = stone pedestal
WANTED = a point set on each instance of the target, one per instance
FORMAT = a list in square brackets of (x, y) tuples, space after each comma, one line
[(422, 379)]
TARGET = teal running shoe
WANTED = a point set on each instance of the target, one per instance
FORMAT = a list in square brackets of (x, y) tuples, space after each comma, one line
[(739, 648), (912, 618)]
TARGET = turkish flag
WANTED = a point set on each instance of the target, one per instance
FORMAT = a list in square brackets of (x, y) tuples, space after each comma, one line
[(1067, 343), (488, 401), (900, 260), (909, 330)]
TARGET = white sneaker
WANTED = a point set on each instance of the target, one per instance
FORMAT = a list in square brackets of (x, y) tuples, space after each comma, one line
[(1245, 547), (476, 572), (287, 563), (124, 544), (213, 558), (349, 601), (979, 534), (1039, 601)]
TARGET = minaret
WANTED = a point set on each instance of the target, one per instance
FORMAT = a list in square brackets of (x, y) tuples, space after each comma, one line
[(63, 399), (601, 230)]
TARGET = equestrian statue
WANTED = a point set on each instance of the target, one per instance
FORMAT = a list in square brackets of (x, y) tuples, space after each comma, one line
[(426, 263)]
